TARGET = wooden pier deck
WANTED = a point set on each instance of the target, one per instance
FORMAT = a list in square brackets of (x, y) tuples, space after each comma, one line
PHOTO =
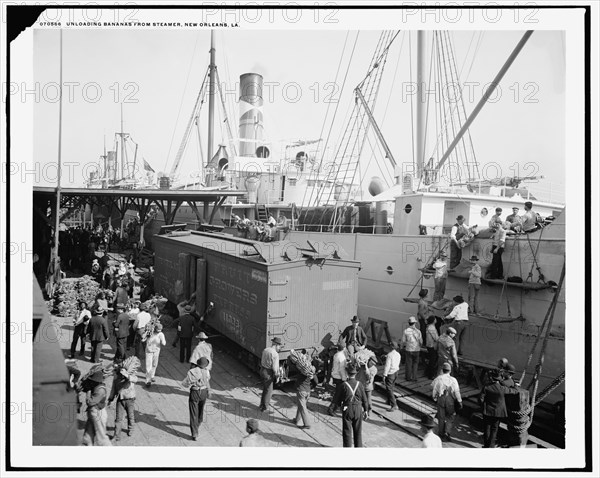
[(162, 409)]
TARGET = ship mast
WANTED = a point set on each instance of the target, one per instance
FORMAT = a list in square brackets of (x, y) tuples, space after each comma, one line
[(420, 119), (211, 97)]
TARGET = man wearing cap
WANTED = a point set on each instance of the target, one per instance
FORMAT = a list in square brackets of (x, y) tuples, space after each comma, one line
[(351, 396), (123, 389), (458, 230), (430, 440), (203, 349), (198, 381), (354, 336), (95, 427), (269, 371), (186, 327), (133, 312), (390, 373), (460, 322), (496, 217), (411, 343), (121, 326), (440, 275), (254, 438), (446, 394), (98, 330), (474, 284), (446, 349), (514, 219)]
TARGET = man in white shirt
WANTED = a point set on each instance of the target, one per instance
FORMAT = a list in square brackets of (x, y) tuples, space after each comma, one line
[(142, 319), (496, 270), (460, 314), (430, 440), (390, 373), (440, 276), (269, 371), (446, 393), (338, 372), (474, 284), (496, 217), (412, 340)]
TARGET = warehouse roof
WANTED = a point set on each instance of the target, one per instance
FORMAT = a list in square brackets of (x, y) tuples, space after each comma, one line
[(267, 252)]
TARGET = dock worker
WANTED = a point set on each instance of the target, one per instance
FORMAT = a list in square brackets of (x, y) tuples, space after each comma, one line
[(446, 394), (142, 319), (431, 339), (493, 404), (269, 371), (440, 275), (430, 440), (186, 325), (95, 427), (390, 373), (338, 372), (446, 349), (514, 219), (354, 336), (460, 320), (153, 346), (98, 330), (496, 217), (474, 284), (80, 321), (411, 343), (351, 396), (121, 326), (496, 270), (203, 349), (459, 229), (198, 381), (423, 311), (254, 438), (529, 220), (283, 226), (123, 390)]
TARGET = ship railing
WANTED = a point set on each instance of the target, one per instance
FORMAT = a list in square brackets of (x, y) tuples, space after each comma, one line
[(343, 228)]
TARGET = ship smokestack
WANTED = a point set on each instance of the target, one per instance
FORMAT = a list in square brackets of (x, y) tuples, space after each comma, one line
[(251, 116)]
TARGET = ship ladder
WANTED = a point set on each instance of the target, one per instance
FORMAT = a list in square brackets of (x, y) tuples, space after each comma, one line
[(520, 424), (535, 264)]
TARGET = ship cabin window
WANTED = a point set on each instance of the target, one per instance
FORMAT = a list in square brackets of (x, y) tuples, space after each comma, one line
[(407, 209), (292, 181), (484, 212), (262, 152), (311, 183)]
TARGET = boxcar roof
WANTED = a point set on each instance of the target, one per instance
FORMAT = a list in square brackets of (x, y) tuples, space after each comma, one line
[(263, 252)]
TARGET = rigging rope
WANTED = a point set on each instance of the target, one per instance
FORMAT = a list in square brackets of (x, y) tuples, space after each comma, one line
[(181, 102)]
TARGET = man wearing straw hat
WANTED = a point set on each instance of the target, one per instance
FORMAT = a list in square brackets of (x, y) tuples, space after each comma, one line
[(203, 349)]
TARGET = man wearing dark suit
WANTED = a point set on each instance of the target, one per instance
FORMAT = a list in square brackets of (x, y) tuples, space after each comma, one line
[(98, 330), (354, 336), (121, 325), (351, 396), (186, 327), (494, 408)]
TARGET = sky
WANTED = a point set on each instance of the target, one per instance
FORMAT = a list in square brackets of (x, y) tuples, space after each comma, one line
[(157, 75)]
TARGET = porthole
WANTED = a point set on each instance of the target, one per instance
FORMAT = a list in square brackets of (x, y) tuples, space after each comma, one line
[(484, 212), (407, 208)]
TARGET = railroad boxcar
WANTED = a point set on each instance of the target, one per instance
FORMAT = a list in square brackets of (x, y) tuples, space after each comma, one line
[(303, 293)]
